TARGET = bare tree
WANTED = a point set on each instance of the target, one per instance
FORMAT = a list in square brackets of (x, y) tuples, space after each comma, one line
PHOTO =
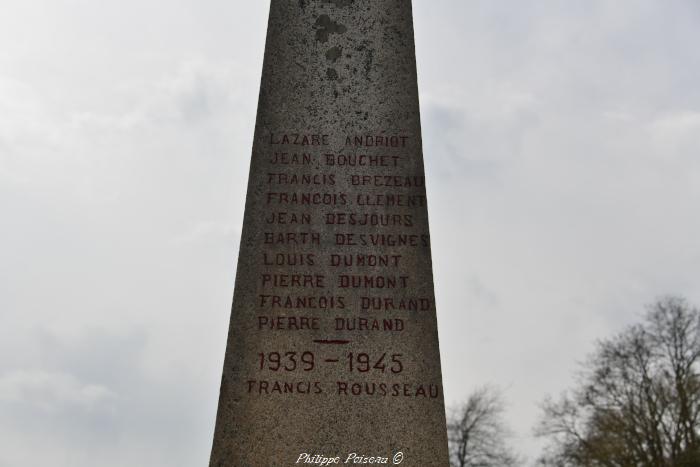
[(637, 402), (477, 432)]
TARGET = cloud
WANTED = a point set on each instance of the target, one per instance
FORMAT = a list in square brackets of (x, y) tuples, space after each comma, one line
[(112, 202), (560, 149), (53, 392), (202, 230), (99, 395), (677, 135)]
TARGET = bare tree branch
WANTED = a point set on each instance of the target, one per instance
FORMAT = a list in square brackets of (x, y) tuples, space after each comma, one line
[(638, 398), (477, 432)]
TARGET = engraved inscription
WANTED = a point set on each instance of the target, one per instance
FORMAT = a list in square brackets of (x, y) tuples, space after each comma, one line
[(338, 224)]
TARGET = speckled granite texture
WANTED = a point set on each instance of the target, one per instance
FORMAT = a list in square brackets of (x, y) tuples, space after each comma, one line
[(333, 346)]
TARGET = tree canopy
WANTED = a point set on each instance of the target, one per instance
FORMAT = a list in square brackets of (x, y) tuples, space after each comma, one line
[(477, 432), (637, 398)]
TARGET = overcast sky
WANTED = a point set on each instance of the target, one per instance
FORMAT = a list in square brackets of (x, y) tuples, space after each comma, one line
[(562, 149)]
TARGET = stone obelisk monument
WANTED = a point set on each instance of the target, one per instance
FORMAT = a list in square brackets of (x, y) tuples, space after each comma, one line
[(332, 353)]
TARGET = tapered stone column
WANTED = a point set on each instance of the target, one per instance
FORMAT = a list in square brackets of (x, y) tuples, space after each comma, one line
[(333, 346)]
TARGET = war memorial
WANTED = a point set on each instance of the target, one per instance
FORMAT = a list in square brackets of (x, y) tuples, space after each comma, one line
[(332, 355)]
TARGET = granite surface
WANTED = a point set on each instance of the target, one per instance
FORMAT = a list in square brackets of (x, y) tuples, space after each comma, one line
[(332, 354)]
